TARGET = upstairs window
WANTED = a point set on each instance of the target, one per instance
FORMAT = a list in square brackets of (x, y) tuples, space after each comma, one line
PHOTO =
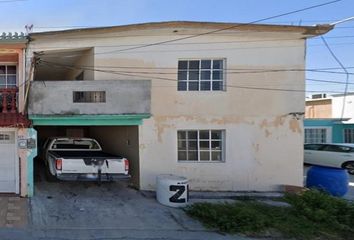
[(8, 76), (201, 75)]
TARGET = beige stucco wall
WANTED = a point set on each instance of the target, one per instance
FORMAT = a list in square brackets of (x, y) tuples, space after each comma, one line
[(318, 108), (86, 60), (263, 140), (261, 153), (123, 141)]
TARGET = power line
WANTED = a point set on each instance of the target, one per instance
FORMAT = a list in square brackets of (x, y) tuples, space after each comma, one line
[(88, 27), (328, 81), (48, 55), (228, 28), (344, 69), (179, 43), (271, 22), (218, 30), (345, 27), (160, 35), (232, 27), (210, 43), (54, 55), (229, 71), (174, 80), (126, 72), (304, 21)]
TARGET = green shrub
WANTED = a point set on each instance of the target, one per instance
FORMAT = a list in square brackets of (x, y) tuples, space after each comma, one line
[(320, 207), (311, 215), (232, 218)]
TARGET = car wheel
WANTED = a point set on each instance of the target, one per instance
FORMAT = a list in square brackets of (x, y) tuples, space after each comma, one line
[(350, 167)]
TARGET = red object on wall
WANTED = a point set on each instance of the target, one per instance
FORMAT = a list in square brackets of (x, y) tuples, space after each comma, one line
[(9, 115)]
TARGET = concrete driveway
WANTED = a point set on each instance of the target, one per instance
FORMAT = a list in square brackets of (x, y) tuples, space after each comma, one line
[(84, 210), (87, 205)]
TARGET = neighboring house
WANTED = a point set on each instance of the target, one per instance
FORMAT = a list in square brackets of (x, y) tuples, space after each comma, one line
[(327, 121), (319, 106), (195, 107), (330, 130), (17, 139), (337, 106)]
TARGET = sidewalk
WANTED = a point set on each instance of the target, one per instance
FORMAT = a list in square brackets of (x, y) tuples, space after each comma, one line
[(111, 234), (13, 212)]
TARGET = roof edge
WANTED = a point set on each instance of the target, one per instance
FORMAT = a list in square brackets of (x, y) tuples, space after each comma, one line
[(308, 31)]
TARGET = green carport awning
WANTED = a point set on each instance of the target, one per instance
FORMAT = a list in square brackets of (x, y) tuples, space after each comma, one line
[(88, 120)]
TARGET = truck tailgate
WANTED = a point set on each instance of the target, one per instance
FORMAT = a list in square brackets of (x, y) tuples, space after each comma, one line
[(92, 165)]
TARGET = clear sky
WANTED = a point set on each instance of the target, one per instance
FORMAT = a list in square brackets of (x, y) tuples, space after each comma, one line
[(58, 14)]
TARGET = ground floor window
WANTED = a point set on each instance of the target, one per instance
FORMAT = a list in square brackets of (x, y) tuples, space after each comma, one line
[(316, 135), (349, 135), (200, 145)]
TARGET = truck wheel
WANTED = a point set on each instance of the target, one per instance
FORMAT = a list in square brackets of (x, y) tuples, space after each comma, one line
[(49, 176)]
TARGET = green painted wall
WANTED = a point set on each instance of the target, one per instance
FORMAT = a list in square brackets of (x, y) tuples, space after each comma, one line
[(32, 153), (336, 125)]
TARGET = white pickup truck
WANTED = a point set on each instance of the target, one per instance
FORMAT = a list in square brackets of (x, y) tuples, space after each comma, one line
[(82, 159)]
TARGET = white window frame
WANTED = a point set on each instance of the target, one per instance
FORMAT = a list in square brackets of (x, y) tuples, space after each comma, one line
[(211, 80), (352, 129), (328, 133), (222, 144), (6, 64)]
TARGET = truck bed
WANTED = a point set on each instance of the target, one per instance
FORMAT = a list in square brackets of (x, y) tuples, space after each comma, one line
[(83, 154)]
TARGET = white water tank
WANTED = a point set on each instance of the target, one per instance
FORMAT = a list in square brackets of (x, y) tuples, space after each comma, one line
[(172, 190)]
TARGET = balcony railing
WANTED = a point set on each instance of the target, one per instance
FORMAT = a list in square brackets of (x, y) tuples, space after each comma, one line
[(8, 100), (9, 115)]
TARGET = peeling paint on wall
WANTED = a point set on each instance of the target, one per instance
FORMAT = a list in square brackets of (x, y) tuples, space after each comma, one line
[(164, 122), (278, 121), (294, 125)]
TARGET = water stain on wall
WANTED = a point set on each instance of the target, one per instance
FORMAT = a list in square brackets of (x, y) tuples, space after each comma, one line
[(294, 125), (165, 122)]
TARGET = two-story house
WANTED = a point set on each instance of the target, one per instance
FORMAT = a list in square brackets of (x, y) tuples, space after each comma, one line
[(196, 99), (329, 118), (17, 138)]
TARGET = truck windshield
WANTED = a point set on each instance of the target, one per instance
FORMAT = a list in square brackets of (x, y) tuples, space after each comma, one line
[(70, 144)]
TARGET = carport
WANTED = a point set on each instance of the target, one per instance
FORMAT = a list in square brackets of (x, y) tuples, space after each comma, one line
[(113, 120), (119, 139), (73, 102)]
